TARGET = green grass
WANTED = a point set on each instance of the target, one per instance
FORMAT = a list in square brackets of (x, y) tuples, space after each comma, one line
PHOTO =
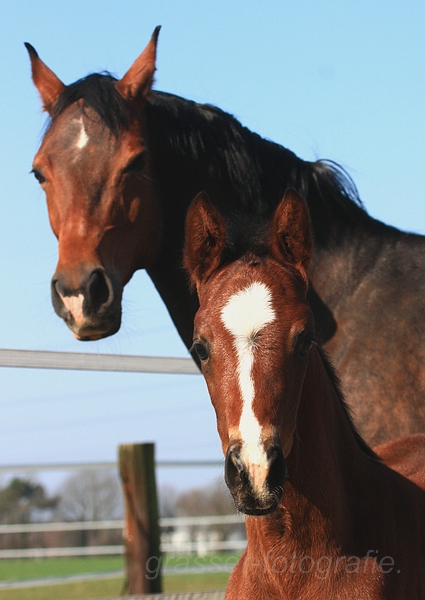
[(180, 562), (16, 570), (84, 589), (20, 569), (113, 587)]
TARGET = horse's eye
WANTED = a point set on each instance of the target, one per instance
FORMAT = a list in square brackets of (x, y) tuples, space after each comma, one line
[(137, 164), (304, 346), (201, 350), (38, 175)]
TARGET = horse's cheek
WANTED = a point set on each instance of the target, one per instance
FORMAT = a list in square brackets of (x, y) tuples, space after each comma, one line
[(134, 210), (54, 215)]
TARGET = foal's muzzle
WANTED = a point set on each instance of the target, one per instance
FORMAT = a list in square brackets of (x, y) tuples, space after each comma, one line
[(254, 495)]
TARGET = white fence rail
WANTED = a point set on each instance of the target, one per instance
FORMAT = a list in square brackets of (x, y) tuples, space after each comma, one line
[(61, 552), (182, 547), (85, 361), (166, 546), (119, 524)]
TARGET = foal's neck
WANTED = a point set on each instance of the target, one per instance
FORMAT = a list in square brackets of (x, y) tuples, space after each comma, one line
[(326, 469)]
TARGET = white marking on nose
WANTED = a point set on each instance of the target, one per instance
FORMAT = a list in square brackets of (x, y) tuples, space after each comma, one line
[(83, 138), (244, 315), (74, 304)]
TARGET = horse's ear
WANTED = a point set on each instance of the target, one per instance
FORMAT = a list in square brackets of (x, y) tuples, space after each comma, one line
[(291, 237), (138, 80), (205, 240), (49, 86)]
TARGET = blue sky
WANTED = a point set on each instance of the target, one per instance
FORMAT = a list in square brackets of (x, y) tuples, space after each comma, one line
[(342, 80)]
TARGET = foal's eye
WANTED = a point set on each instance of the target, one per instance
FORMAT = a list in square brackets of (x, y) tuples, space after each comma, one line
[(137, 164), (201, 350), (38, 175)]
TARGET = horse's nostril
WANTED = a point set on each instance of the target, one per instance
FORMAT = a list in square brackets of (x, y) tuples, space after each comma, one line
[(98, 290), (58, 287)]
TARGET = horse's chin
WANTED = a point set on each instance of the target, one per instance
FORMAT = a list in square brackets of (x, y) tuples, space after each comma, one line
[(93, 332), (92, 337), (250, 504), (258, 512)]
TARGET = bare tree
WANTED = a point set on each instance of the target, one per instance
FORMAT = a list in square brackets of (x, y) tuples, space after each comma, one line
[(90, 496), (167, 497), (213, 499)]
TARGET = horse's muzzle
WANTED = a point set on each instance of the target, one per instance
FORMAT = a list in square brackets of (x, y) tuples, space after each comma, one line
[(92, 308), (250, 496)]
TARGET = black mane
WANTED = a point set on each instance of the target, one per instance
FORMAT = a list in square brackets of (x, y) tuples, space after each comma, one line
[(256, 172), (214, 141), (99, 93)]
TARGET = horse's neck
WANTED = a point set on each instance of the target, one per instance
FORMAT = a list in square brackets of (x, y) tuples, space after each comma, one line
[(172, 285), (318, 511), (342, 263), (326, 456), (199, 147)]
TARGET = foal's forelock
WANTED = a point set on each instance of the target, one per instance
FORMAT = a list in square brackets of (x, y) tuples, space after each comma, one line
[(245, 315)]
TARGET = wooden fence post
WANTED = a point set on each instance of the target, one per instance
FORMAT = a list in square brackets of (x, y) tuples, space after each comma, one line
[(141, 532)]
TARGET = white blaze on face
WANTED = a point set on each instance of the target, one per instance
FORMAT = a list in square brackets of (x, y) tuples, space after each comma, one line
[(83, 138), (244, 315)]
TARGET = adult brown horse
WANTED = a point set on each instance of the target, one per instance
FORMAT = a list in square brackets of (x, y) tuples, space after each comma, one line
[(327, 519), (120, 165)]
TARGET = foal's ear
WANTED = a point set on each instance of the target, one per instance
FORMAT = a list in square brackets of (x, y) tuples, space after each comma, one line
[(205, 240), (49, 86), (291, 237), (138, 80)]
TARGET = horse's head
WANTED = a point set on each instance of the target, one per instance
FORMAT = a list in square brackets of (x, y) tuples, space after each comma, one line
[(94, 167), (252, 333)]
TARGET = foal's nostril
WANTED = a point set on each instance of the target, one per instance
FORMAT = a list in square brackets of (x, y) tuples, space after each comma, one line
[(234, 467), (98, 291), (277, 467)]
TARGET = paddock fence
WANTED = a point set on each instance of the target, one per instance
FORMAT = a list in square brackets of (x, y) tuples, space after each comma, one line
[(85, 361), (168, 547), (38, 359)]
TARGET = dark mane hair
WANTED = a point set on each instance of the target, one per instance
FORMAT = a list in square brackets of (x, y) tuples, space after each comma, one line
[(332, 197), (212, 139), (99, 93), (256, 171)]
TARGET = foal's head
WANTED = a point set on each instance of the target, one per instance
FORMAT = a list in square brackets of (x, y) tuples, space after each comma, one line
[(94, 167), (253, 332)]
